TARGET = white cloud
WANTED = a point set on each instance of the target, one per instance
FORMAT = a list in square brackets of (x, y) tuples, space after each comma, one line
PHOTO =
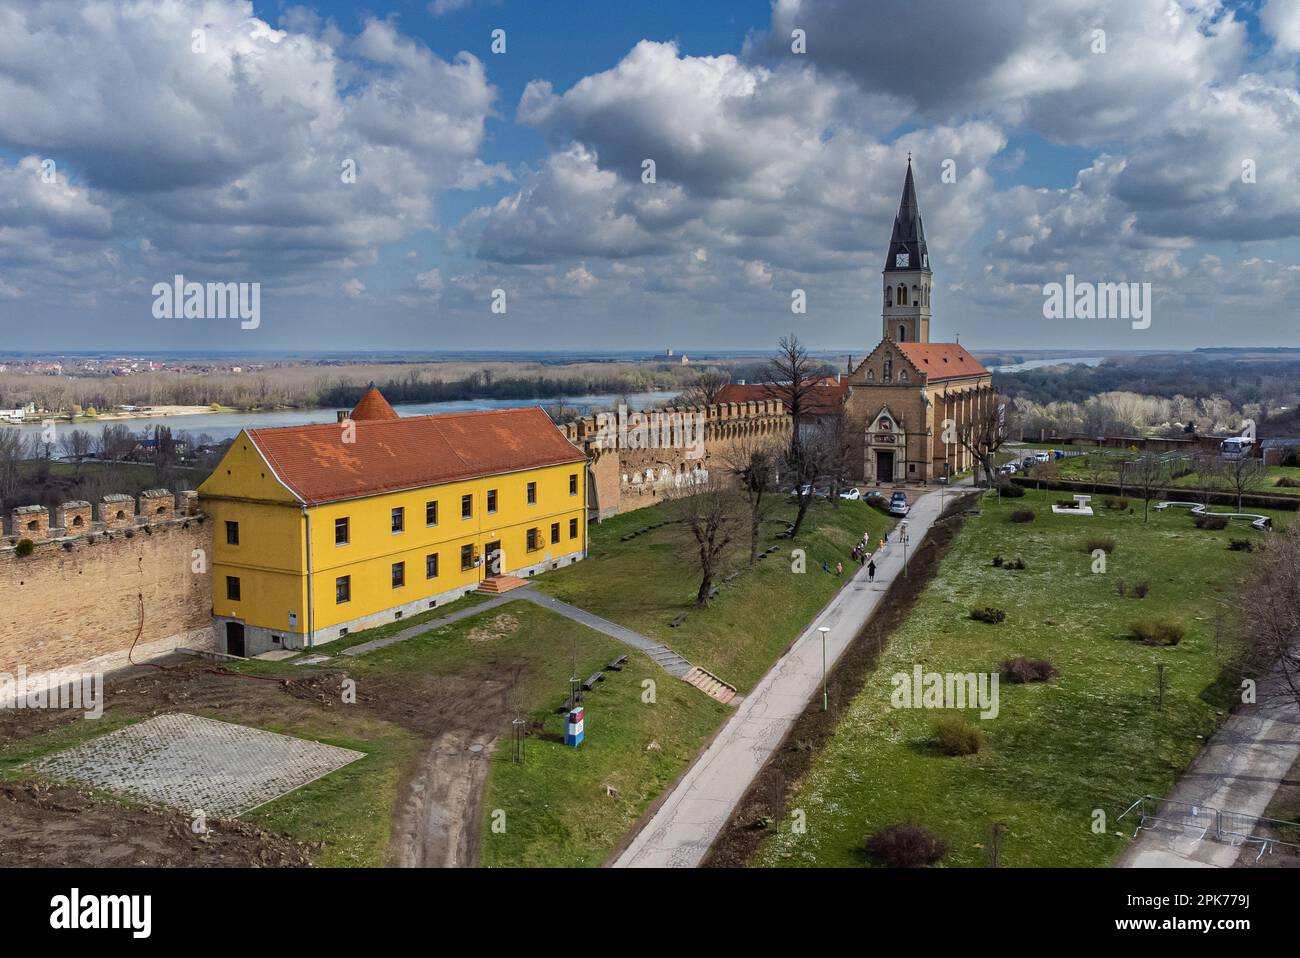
[(354, 287), (1281, 18)]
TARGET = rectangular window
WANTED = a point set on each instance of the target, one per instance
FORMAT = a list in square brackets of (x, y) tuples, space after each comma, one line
[(399, 574), (431, 513), (534, 540), (343, 589), (232, 533), (431, 566), (341, 531), (573, 528), (232, 588), (573, 483), (466, 507), (399, 519), (466, 557), (532, 493), (555, 532), (492, 500)]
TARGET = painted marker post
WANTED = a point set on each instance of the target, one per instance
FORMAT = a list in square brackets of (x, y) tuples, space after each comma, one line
[(573, 728)]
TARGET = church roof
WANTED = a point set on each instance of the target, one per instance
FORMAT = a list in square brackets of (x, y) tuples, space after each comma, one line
[(941, 361), (372, 406), (909, 233)]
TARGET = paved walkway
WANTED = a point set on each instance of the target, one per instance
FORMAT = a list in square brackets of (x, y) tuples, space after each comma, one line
[(680, 833), (1239, 770), (428, 626)]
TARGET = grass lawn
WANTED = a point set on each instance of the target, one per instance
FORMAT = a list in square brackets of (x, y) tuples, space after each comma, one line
[(646, 582), (1090, 738), (1078, 469)]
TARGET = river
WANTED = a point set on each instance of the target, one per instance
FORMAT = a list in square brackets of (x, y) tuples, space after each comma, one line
[(1040, 363), (219, 426)]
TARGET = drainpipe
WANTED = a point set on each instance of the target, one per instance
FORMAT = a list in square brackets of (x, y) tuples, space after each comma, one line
[(311, 631)]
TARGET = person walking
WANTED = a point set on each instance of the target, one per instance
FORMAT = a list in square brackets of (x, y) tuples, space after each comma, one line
[(871, 571), (839, 568)]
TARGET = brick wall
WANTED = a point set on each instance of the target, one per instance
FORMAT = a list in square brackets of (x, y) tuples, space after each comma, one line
[(76, 601)]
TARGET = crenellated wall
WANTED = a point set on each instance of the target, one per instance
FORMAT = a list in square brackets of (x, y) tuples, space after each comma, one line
[(629, 475), (89, 587)]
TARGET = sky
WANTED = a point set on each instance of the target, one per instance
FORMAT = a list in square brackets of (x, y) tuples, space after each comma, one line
[(472, 174)]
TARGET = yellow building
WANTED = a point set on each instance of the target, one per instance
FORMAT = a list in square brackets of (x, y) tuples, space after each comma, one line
[(327, 529)]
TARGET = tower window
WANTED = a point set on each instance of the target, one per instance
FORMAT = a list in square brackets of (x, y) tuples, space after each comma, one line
[(902, 334), (889, 296), (902, 295)]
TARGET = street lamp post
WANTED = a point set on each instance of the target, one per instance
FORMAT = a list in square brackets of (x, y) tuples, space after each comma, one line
[(902, 534), (825, 697)]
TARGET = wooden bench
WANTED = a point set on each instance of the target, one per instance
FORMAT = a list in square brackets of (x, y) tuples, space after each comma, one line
[(592, 680), (617, 664), (677, 621)]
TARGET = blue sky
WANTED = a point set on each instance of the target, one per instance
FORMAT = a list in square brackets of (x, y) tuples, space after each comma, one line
[(1107, 142)]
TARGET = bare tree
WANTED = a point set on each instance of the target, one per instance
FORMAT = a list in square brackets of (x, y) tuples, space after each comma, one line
[(1269, 612), (793, 378), (704, 389), (11, 456), (710, 513), (1208, 468), (983, 435), (1148, 473), (831, 447), (754, 462), (115, 442), (77, 445), (1093, 466), (1243, 475)]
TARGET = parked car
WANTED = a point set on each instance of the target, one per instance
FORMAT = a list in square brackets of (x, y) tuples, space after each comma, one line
[(1042, 456), (851, 493), (898, 504)]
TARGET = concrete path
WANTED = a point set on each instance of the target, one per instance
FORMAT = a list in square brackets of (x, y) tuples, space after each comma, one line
[(1239, 770), (660, 654), (680, 833), (428, 626)]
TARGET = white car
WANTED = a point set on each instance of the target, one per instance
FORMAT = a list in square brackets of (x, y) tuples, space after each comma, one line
[(851, 494), (1042, 457)]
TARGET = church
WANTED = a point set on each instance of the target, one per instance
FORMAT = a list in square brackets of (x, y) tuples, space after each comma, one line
[(907, 401)]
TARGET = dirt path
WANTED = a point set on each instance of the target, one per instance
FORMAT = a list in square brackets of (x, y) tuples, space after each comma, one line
[(437, 824)]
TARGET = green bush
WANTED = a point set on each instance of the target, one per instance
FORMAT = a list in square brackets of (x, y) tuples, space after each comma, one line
[(956, 736), (1286, 482), (24, 547), (905, 846), (1160, 632), (1241, 545), (1023, 515), (1211, 522), (1105, 543), (987, 614), (1112, 502), (1009, 490)]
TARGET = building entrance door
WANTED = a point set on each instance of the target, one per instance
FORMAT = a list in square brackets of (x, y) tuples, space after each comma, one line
[(492, 555), (235, 638), (884, 466)]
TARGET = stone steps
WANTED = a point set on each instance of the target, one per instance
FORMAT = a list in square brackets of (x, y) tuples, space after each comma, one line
[(498, 584)]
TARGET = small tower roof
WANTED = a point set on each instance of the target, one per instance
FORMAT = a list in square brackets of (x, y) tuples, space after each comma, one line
[(909, 233), (372, 406)]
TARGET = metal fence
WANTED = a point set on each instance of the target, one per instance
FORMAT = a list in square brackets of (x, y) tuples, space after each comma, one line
[(1226, 826)]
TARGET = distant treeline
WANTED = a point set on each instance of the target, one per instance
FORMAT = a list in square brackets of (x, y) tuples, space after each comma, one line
[(483, 386), (1242, 382)]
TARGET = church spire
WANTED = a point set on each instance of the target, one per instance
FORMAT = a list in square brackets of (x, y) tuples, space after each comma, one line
[(907, 249)]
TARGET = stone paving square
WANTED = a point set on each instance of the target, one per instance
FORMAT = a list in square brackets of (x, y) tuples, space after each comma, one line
[(192, 763)]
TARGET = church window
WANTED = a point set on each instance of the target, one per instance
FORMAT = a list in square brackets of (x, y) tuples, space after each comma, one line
[(889, 368), (871, 375), (889, 296), (902, 295), (902, 334), (902, 375)]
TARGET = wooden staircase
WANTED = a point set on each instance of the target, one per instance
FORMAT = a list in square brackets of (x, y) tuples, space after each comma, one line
[(710, 685), (497, 584)]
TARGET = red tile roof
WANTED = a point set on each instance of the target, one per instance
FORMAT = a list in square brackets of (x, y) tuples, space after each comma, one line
[(941, 361), (372, 406), (825, 399), (406, 453)]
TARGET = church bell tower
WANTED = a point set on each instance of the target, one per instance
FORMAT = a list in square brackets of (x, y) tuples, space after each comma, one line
[(906, 314)]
